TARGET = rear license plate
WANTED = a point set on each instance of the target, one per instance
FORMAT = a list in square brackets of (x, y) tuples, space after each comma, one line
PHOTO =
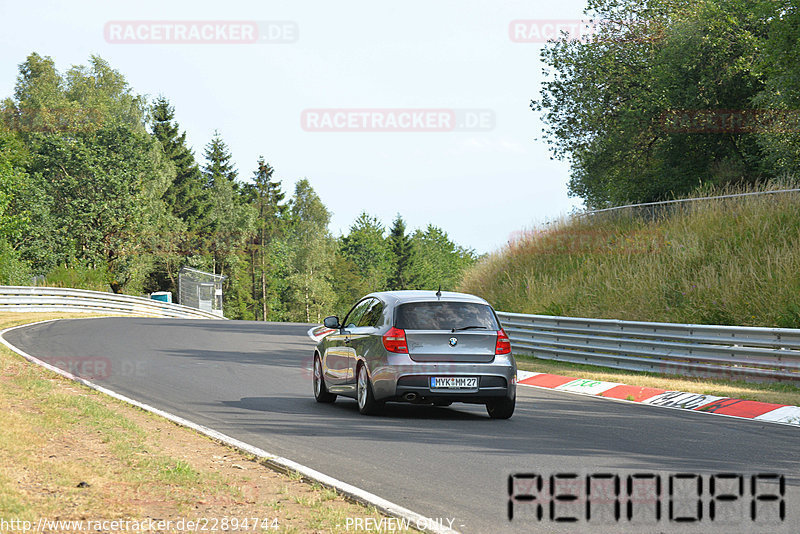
[(454, 382)]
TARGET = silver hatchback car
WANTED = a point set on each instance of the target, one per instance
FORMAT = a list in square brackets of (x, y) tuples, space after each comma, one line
[(417, 346)]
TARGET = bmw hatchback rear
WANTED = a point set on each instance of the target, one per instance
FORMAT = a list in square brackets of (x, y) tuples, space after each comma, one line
[(417, 346)]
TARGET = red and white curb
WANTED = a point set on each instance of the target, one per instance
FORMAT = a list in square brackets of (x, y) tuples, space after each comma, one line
[(757, 411), (278, 463)]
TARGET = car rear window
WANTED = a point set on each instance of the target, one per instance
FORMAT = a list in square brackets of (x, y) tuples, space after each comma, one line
[(444, 316)]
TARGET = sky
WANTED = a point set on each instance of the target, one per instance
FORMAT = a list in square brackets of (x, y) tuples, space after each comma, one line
[(420, 108)]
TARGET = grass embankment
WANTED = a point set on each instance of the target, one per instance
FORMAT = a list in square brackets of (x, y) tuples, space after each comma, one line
[(56, 435), (77, 278), (727, 261)]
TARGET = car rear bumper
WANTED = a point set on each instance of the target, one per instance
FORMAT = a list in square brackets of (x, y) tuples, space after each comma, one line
[(396, 379)]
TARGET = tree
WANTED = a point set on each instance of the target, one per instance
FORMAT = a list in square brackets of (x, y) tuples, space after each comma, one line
[(440, 261), (312, 255), (779, 65), (607, 103), (40, 103), (266, 196), (103, 97), (83, 100), (38, 82), (13, 180), (186, 204), (98, 188), (218, 163), (348, 283), (101, 187), (403, 265), (185, 197), (169, 243), (231, 223), (224, 217), (96, 176), (366, 246)]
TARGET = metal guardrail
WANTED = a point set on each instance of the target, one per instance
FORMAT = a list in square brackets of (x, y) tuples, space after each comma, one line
[(56, 299), (733, 352)]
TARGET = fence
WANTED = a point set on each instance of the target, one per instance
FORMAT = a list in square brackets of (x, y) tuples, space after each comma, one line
[(655, 210), (688, 200), (201, 290), (56, 299), (732, 352)]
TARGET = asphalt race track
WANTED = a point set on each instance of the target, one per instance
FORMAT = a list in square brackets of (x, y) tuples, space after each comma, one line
[(252, 381)]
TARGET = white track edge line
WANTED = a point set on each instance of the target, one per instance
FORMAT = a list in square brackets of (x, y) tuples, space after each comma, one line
[(273, 461), (641, 403)]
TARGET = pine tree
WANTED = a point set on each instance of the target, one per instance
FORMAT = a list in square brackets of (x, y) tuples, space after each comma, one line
[(231, 220), (267, 197), (184, 197), (218, 163), (401, 276)]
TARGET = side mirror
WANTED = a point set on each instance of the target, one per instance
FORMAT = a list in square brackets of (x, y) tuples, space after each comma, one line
[(332, 322)]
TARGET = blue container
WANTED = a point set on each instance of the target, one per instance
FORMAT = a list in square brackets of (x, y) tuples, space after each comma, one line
[(163, 296)]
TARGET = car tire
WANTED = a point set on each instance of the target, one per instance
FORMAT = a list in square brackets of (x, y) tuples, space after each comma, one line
[(501, 409), (367, 405), (321, 392)]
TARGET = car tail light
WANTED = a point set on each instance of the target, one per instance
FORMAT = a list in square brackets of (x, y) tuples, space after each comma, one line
[(395, 340), (503, 344)]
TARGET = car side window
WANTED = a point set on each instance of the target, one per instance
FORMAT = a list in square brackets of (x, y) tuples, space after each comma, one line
[(373, 315), (355, 314)]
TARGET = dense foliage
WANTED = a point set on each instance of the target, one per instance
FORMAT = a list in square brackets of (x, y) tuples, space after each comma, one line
[(669, 95), (99, 189)]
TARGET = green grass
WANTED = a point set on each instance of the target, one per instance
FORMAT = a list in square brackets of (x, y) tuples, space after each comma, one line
[(77, 277), (730, 262), (171, 471), (31, 383)]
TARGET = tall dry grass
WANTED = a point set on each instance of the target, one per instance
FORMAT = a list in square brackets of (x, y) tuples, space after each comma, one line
[(730, 261)]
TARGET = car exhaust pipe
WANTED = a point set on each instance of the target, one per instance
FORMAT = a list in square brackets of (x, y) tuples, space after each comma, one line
[(410, 396)]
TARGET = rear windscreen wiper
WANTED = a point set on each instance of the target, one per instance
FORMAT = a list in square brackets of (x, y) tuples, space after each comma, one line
[(469, 328)]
